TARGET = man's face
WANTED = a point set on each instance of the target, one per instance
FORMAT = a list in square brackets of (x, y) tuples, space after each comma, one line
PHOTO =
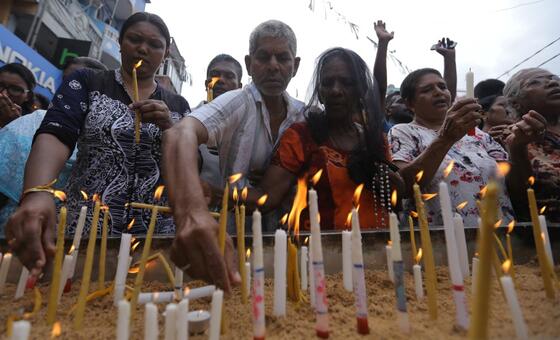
[(272, 65), (229, 80)]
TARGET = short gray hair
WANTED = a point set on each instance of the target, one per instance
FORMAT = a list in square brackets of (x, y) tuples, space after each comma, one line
[(273, 29), (513, 91)]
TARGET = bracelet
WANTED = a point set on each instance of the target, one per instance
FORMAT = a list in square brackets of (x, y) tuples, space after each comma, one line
[(45, 188)]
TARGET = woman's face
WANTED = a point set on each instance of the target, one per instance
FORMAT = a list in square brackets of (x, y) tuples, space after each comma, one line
[(337, 89), (432, 99), (143, 41), (540, 92), (14, 87), (498, 113)]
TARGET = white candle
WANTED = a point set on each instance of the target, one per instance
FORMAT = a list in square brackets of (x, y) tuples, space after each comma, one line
[(182, 320), (4, 268), (347, 259), (321, 303), (123, 320), (66, 267), (198, 321), (303, 268), (280, 255), (248, 276), (417, 270), (461, 245), (151, 328), (259, 326), (547, 248), (389, 263), (178, 283), (398, 273), (469, 79), (21, 330), (162, 297), (216, 315), (21, 283), (170, 321), (122, 267), (474, 274), (311, 277), (358, 277), (462, 317), (515, 309), (77, 239)]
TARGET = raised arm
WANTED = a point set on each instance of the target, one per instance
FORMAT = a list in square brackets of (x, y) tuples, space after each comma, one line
[(446, 47), (380, 66)]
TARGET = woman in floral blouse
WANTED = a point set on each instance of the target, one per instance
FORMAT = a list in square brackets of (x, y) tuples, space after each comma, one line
[(438, 136)]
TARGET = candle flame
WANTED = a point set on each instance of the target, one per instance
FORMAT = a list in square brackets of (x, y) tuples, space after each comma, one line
[(461, 205), (476, 254), (262, 200), (503, 169), (159, 192), (284, 219), (244, 194), (511, 225), (418, 256), (213, 82), (300, 202), (448, 169), (130, 224), (186, 291), (531, 180), (316, 177), (105, 208), (389, 243), (357, 194), (506, 266), (543, 236), (234, 178), (349, 220), (84, 195), (394, 198), (95, 197), (248, 253), (56, 330), (71, 250), (60, 195), (413, 214), (138, 64), (235, 196), (318, 218), (498, 224), (483, 191), (543, 209), (133, 270), (306, 241), (135, 245), (427, 197), (419, 175)]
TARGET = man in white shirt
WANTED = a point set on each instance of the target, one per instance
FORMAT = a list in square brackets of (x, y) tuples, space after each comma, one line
[(244, 125)]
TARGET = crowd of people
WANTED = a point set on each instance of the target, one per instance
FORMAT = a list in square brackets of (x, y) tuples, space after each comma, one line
[(350, 129)]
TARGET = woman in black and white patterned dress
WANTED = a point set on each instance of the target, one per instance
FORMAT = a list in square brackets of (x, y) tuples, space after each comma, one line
[(93, 110)]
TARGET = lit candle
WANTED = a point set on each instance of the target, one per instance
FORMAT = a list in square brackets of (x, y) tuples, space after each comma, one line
[(303, 268), (311, 277), (293, 279), (259, 326), (461, 245), (398, 272), (358, 277), (474, 274), (462, 317), (389, 261), (21, 283), (347, 259), (88, 266), (429, 263), (248, 277), (513, 303), (59, 254), (541, 253), (412, 237), (469, 79), (21, 330), (183, 320), (210, 89), (122, 267), (4, 268), (66, 267), (123, 320), (103, 250), (170, 321), (77, 240), (137, 118), (216, 314), (178, 283), (510, 249), (151, 328), (198, 321), (417, 270), (546, 240), (241, 247), (279, 302), (321, 303)]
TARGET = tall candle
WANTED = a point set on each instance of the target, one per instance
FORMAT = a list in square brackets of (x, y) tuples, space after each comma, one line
[(241, 253), (136, 97), (86, 277), (21, 282), (429, 263), (4, 268), (259, 326), (390, 269), (280, 248), (66, 267), (347, 259), (541, 253), (546, 240), (170, 321), (223, 219), (122, 267), (461, 245), (57, 269), (412, 237), (417, 270), (303, 268), (77, 240), (321, 303), (398, 272), (103, 251), (311, 277), (216, 315), (469, 80), (21, 330), (151, 328), (358, 277), (462, 317), (182, 325), (474, 275), (178, 283), (123, 320)]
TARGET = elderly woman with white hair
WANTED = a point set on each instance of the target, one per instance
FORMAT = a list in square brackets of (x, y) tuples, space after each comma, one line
[(534, 94)]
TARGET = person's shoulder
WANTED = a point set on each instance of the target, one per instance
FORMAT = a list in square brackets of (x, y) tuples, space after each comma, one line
[(406, 128)]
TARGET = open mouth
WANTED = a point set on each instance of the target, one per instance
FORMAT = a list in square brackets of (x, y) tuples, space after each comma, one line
[(554, 93), (440, 103)]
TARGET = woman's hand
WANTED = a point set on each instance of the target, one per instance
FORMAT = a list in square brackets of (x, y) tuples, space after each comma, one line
[(529, 129), (153, 111), (30, 230), (8, 110), (382, 34), (460, 118)]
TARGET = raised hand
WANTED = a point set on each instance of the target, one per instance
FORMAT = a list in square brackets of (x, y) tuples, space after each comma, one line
[(445, 47), (382, 33)]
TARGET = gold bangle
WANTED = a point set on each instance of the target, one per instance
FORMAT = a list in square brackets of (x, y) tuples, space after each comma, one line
[(45, 188)]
